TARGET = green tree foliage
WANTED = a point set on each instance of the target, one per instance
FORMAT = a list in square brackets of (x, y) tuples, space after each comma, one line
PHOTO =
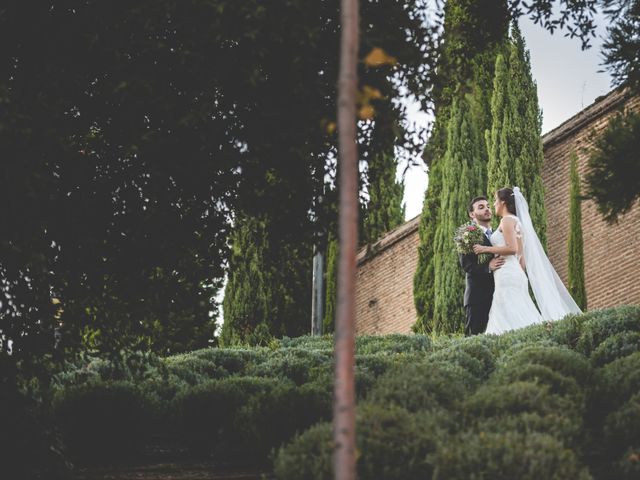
[(621, 48), (613, 178), (513, 142), (462, 179), (575, 244), (132, 132), (247, 301), (331, 277), (473, 33), (384, 209)]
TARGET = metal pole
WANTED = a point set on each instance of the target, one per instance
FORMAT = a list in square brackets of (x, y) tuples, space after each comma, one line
[(344, 410), (317, 304)]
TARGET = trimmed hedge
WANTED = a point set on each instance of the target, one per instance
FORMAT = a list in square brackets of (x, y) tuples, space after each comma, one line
[(378, 427), (103, 422), (566, 393), (507, 455)]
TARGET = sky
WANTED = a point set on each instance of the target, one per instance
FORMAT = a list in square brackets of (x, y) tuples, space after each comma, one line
[(568, 80)]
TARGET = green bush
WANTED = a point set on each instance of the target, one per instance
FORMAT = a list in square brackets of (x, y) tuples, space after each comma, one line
[(102, 422), (207, 412), (558, 384), (393, 343), (194, 370), (298, 365), (616, 346), (423, 386), (628, 466), (233, 360), (622, 427), (598, 325), (559, 359), (128, 365), (307, 342), (506, 455), (472, 356), (555, 424), (567, 331), (616, 382), (393, 444), (307, 456), (234, 415), (519, 397)]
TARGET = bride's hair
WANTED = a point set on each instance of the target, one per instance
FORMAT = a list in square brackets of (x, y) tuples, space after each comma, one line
[(506, 195)]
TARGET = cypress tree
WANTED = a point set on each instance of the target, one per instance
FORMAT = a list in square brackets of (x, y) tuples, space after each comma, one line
[(474, 31), (514, 142), (575, 244), (385, 210), (498, 171), (463, 179), (331, 284), (247, 301)]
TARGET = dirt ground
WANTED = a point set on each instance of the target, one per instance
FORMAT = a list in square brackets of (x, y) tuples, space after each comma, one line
[(170, 471)]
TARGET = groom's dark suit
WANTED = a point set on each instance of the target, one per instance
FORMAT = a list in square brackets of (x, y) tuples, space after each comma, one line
[(479, 292)]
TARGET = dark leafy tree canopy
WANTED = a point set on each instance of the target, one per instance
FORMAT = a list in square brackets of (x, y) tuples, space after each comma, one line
[(131, 132)]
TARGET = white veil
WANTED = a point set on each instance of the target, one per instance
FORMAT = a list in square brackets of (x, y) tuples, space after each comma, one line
[(553, 299)]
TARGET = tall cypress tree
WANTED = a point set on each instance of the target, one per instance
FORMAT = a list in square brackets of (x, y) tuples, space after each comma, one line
[(384, 210), (474, 31), (514, 142), (247, 300), (463, 179), (498, 168), (331, 284), (575, 244)]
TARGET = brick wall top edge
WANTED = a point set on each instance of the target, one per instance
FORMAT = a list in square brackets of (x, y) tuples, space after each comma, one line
[(601, 106), (394, 236)]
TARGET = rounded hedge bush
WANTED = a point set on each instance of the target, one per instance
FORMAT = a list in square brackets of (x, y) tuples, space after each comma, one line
[(557, 358), (297, 365), (102, 422), (622, 426), (517, 398), (558, 383), (233, 360), (598, 325), (307, 456), (557, 425), (392, 444), (423, 386), (616, 382), (616, 346), (506, 455)]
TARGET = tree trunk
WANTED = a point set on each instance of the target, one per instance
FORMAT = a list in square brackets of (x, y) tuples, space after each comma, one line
[(344, 423)]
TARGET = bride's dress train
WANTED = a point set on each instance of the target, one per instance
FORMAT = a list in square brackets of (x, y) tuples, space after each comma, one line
[(512, 307)]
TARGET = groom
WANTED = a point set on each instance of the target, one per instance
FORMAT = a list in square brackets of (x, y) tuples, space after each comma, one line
[(479, 291)]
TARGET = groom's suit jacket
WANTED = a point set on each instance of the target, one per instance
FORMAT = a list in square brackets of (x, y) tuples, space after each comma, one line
[(480, 284)]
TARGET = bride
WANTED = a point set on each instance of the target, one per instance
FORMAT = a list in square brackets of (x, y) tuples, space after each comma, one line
[(516, 240)]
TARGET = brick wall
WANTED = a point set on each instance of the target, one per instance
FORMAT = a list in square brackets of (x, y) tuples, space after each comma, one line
[(612, 252), (384, 286)]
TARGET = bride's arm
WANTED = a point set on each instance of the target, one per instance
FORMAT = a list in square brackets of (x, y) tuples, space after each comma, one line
[(507, 225)]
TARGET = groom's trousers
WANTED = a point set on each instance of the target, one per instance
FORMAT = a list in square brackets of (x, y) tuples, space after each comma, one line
[(477, 318)]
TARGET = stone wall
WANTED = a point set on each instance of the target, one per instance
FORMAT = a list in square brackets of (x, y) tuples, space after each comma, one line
[(384, 288)]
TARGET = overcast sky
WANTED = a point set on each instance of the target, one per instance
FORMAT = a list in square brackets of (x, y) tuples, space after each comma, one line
[(568, 81)]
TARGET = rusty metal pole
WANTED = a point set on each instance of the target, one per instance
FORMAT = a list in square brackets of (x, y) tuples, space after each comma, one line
[(344, 409)]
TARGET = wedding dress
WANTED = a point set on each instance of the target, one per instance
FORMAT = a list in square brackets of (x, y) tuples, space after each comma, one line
[(512, 306)]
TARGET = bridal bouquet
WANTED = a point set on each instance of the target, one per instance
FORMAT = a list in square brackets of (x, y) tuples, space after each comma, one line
[(466, 237)]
